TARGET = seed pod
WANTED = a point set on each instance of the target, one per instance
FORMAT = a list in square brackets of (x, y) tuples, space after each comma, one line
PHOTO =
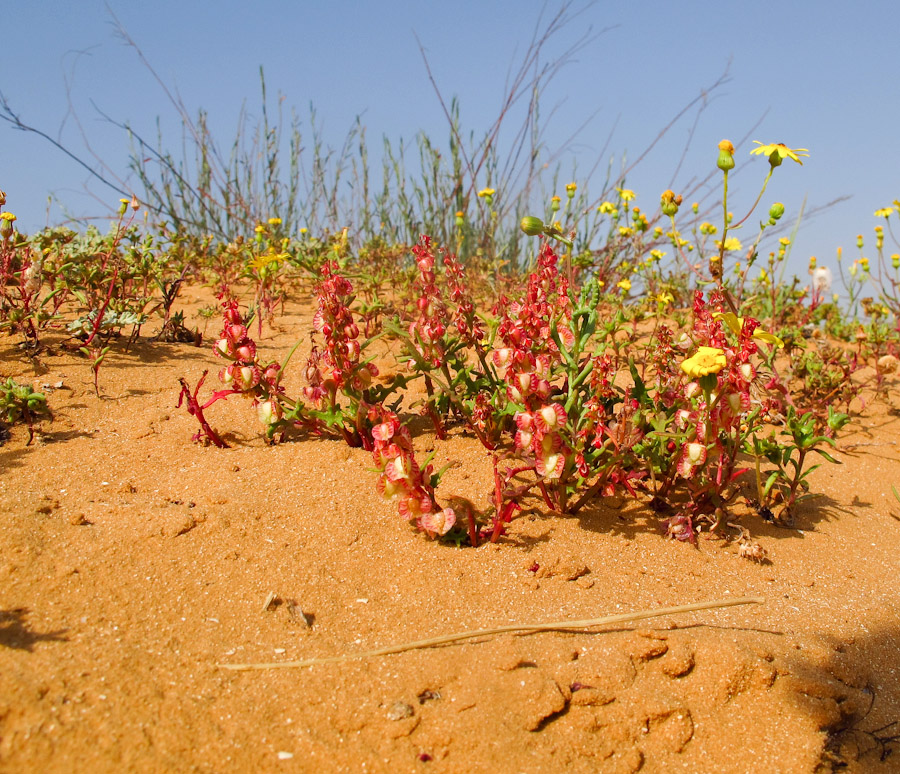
[(532, 226)]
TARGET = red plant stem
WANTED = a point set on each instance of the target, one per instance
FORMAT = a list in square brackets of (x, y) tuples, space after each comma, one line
[(594, 488), (498, 503), (194, 408), (473, 529), (361, 431), (429, 407), (460, 406), (99, 320), (546, 495)]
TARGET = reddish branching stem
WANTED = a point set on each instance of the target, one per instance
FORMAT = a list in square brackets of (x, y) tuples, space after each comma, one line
[(194, 408)]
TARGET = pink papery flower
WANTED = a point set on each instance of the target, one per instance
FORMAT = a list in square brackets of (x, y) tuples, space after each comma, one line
[(414, 506), (565, 335), (383, 432), (223, 348), (439, 523), (400, 474), (400, 467), (683, 418), (524, 420), (693, 455), (503, 357), (550, 418), (692, 390), (550, 460), (390, 489), (738, 402), (680, 528), (523, 439)]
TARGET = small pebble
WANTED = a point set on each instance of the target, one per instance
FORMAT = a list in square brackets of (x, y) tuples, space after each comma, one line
[(400, 710)]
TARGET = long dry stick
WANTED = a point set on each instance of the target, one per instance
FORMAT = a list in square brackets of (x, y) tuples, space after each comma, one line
[(524, 628)]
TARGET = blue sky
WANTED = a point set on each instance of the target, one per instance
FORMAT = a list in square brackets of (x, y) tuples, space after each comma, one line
[(814, 74)]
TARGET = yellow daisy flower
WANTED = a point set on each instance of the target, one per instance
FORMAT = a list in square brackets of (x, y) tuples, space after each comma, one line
[(736, 324), (707, 360), (778, 152), (732, 244)]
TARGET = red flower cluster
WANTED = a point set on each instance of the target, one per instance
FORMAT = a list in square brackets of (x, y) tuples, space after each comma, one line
[(718, 419), (427, 330), (526, 358), (340, 357), (468, 324), (400, 476), (245, 374)]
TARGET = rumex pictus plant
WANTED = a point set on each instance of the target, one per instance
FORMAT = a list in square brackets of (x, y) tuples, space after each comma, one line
[(571, 399)]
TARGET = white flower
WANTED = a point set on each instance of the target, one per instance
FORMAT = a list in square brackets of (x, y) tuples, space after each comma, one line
[(821, 279)]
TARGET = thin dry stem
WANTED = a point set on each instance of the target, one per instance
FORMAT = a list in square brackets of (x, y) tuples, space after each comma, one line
[(522, 628)]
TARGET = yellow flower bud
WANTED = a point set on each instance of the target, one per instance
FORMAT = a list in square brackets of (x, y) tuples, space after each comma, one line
[(6, 224), (726, 156), (669, 203)]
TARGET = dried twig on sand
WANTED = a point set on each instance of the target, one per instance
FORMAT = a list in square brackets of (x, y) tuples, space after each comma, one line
[(522, 628)]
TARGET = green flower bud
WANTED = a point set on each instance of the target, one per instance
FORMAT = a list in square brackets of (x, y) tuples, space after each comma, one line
[(669, 203), (776, 211), (532, 226), (6, 224), (726, 156)]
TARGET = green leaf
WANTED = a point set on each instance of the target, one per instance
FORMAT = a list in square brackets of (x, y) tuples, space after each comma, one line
[(639, 391), (827, 456)]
